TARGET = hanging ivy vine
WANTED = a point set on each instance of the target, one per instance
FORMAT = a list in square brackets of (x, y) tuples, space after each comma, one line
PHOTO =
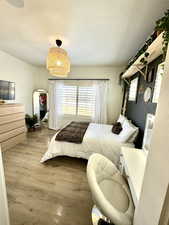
[(162, 25)]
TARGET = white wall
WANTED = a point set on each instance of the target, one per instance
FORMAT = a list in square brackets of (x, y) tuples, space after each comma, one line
[(28, 77), (115, 91), (23, 74), (156, 178)]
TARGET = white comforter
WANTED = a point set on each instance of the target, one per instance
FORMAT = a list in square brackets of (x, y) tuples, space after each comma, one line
[(97, 139)]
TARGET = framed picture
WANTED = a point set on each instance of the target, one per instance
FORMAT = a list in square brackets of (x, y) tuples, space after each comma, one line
[(133, 90), (157, 87), (150, 75)]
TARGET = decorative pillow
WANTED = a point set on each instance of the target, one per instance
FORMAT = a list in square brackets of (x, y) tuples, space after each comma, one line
[(133, 136), (127, 131), (121, 119), (117, 128)]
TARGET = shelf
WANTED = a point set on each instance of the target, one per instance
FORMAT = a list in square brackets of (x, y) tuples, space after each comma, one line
[(154, 50)]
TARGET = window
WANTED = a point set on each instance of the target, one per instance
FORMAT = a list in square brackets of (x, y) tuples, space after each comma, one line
[(133, 90), (69, 100), (78, 100)]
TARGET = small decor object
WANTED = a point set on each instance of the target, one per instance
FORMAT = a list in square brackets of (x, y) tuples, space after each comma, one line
[(31, 122), (147, 94), (157, 87), (144, 60), (162, 25), (150, 75), (58, 62), (133, 90), (2, 102), (117, 128)]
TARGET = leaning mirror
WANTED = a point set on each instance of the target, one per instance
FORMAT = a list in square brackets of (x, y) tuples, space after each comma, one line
[(40, 104)]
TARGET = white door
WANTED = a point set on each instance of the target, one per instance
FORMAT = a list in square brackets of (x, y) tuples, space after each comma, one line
[(4, 216)]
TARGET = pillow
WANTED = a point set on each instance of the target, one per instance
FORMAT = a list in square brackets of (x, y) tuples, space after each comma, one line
[(127, 131), (121, 119), (117, 128), (132, 138)]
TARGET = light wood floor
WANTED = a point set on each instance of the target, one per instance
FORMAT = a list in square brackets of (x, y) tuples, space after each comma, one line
[(45, 194)]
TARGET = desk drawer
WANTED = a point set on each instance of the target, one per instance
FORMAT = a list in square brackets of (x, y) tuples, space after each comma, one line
[(133, 194), (121, 164)]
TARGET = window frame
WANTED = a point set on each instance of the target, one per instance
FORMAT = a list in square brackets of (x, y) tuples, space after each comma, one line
[(77, 102)]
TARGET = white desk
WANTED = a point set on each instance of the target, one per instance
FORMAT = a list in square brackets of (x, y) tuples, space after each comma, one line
[(4, 215), (133, 162)]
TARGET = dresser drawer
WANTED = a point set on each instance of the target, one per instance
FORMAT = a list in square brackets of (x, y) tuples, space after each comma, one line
[(7, 110), (11, 134), (11, 118), (12, 142), (11, 126)]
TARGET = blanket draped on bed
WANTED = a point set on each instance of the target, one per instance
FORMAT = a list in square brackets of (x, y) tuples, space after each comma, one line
[(73, 132)]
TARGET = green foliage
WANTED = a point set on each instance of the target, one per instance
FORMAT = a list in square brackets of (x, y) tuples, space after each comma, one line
[(31, 120), (162, 25), (143, 49)]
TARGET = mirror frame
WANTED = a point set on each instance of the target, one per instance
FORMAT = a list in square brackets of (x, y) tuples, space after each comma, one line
[(38, 90)]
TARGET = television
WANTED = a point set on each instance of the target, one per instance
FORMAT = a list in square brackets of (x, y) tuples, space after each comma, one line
[(7, 90)]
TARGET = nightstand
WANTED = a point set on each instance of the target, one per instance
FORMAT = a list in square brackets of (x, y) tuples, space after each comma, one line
[(132, 165)]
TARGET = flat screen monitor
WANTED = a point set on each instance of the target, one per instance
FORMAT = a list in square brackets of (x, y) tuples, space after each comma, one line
[(7, 90)]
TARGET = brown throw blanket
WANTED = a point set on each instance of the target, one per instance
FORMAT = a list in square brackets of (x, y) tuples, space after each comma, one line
[(74, 132)]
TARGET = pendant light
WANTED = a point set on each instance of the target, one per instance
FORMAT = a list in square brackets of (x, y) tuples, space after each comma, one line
[(58, 62)]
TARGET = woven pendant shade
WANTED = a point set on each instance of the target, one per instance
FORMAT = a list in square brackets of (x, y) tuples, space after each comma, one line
[(58, 62)]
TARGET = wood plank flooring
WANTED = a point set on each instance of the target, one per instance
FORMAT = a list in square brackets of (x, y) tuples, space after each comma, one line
[(45, 194)]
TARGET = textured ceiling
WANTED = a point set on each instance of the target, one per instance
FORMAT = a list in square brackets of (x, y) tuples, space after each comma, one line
[(94, 32)]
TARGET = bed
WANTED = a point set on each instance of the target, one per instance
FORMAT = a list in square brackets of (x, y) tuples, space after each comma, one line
[(97, 139)]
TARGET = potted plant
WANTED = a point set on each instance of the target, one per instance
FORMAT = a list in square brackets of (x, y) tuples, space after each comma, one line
[(162, 25), (31, 121)]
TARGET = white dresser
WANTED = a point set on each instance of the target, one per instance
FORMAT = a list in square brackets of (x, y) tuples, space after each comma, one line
[(132, 165), (12, 125)]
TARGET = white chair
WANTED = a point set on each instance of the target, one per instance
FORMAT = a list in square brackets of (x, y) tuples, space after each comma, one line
[(109, 190)]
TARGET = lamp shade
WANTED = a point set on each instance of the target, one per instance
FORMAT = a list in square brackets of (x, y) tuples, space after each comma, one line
[(58, 62)]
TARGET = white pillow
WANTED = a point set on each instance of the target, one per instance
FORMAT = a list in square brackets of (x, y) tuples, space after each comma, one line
[(127, 131), (132, 138), (121, 119)]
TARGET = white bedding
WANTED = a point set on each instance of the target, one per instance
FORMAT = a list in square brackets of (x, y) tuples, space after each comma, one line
[(97, 139)]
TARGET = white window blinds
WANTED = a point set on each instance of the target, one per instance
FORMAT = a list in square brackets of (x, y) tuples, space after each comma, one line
[(78, 100), (69, 100), (86, 101)]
